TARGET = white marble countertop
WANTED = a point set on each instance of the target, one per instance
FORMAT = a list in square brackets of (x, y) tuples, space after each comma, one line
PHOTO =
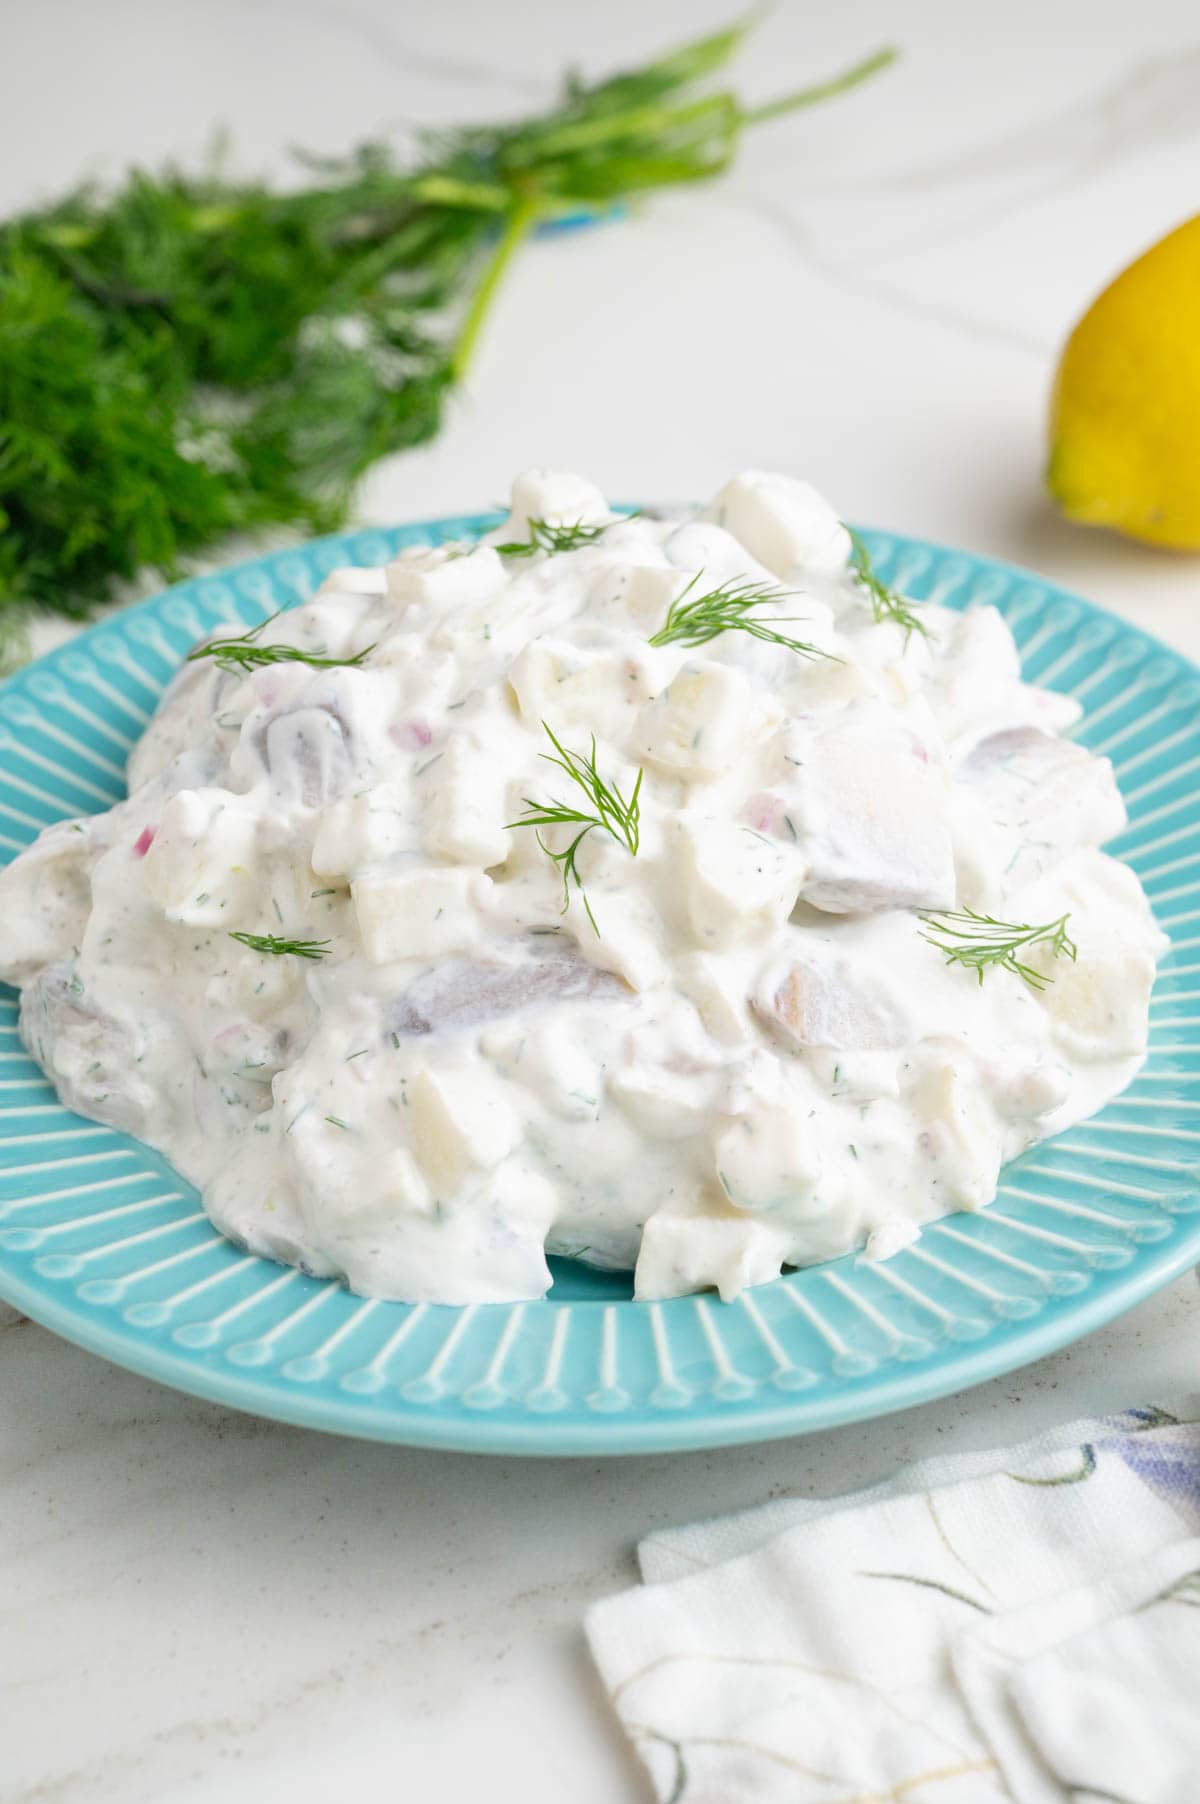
[(199, 1606)]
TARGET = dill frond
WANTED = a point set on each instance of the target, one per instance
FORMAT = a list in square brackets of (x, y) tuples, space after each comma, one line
[(886, 604), (244, 653), (189, 355), (543, 536), (695, 619), (979, 942), (613, 813), (281, 948)]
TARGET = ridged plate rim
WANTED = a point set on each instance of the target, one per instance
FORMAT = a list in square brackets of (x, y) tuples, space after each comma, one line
[(713, 1394)]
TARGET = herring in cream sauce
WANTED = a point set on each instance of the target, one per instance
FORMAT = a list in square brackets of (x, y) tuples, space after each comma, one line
[(753, 1057)]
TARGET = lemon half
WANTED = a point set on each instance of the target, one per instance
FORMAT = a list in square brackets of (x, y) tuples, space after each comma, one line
[(1125, 411)]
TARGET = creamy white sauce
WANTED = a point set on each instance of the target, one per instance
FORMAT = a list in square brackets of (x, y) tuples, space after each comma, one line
[(757, 1060)]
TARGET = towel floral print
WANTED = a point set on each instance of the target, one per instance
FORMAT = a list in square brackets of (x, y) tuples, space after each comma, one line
[(1167, 1463), (815, 1669)]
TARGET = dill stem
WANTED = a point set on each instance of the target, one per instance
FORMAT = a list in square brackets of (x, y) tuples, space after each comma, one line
[(825, 90), (525, 209), (653, 118), (476, 197), (521, 218)]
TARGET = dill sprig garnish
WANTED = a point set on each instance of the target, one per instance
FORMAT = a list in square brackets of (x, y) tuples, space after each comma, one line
[(727, 609), (283, 948), (544, 536), (610, 811), (189, 354), (244, 653), (886, 604), (977, 942)]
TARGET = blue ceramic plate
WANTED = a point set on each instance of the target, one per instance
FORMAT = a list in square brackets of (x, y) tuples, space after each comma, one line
[(104, 1244)]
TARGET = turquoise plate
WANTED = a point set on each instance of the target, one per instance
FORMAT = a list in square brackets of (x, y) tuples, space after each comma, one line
[(103, 1243)]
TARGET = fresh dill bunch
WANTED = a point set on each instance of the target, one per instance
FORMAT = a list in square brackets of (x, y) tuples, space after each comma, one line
[(191, 355), (543, 536), (610, 811), (695, 619), (283, 948), (977, 942), (886, 604), (244, 653)]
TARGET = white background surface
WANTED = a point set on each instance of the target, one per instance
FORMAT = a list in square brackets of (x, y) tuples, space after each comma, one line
[(196, 1606)]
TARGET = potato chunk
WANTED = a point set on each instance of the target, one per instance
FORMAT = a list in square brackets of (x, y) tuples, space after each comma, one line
[(463, 814), (458, 1121), (1098, 1003), (694, 726), (416, 913), (202, 865), (360, 830), (45, 897), (683, 1253), (766, 1159), (443, 576), (557, 496), (787, 525), (735, 884), (959, 1137)]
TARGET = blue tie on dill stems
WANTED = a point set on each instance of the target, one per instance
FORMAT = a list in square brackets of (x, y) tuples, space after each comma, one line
[(192, 355)]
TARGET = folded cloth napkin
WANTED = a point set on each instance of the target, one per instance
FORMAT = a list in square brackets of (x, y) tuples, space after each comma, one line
[(1014, 1626), (1096, 1692)]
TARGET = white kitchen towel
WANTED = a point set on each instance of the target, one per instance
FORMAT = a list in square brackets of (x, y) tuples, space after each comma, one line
[(672, 1553), (1095, 1693), (809, 1654)]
